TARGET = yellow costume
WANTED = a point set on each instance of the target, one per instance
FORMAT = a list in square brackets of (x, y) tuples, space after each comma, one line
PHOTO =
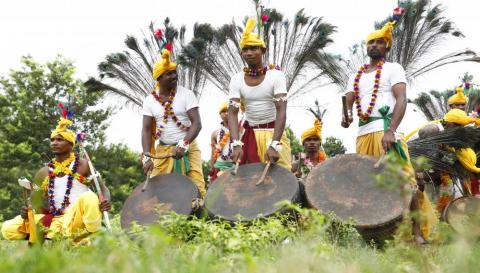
[(459, 97), (62, 130), (459, 117), (249, 38), (263, 137), (316, 130), (385, 32)]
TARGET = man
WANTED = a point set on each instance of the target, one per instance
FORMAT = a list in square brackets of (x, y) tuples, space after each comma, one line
[(72, 209), (170, 113), (264, 93), (458, 100), (379, 92), (314, 153), (221, 144)]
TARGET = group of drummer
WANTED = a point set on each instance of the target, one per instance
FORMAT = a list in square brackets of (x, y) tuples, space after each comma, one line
[(171, 119)]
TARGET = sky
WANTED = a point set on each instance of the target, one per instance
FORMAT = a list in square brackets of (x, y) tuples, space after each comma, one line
[(86, 31)]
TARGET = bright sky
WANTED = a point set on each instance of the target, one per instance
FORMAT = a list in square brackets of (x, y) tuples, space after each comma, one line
[(85, 31)]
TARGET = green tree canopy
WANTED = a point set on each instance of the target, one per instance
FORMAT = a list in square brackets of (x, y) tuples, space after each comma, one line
[(333, 146)]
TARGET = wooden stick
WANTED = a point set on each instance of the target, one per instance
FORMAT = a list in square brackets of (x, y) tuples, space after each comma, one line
[(260, 181), (235, 170), (345, 108), (146, 182), (380, 161)]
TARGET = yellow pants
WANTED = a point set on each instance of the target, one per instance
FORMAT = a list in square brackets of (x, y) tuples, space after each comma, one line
[(263, 137), (83, 215), (371, 144), (162, 166)]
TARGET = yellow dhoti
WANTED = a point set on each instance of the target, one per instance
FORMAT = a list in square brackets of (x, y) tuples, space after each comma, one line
[(167, 165), (263, 137), (371, 144), (83, 215)]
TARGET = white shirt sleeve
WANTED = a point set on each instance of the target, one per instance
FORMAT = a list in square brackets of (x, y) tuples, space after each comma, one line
[(397, 74), (190, 100), (279, 83), (234, 88), (146, 108)]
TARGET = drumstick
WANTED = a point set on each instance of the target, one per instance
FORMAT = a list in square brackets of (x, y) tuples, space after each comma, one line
[(158, 157), (235, 170), (380, 161), (146, 182), (260, 181)]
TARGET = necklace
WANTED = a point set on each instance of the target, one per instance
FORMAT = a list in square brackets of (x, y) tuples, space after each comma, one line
[(364, 116), (259, 71), (168, 111), (224, 136)]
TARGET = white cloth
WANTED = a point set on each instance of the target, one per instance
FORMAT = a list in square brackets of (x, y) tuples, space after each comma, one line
[(227, 148), (259, 104), (392, 73), (184, 100), (60, 187)]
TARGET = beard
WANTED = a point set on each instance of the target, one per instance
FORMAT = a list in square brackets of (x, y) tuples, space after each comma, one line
[(376, 54)]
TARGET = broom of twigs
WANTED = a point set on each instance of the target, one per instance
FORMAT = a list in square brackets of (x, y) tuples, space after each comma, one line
[(433, 148), (317, 112)]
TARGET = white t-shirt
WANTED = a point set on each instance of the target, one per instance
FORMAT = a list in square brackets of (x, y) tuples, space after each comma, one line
[(184, 100), (259, 105), (392, 73), (60, 187)]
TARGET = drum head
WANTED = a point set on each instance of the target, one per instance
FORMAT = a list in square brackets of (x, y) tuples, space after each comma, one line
[(346, 185), (463, 214), (166, 192), (235, 197)]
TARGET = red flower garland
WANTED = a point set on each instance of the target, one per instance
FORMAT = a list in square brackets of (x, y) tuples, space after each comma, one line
[(168, 110), (364, 116)]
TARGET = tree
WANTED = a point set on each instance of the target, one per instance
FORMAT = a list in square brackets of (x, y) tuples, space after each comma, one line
[(295, 144), (333, 146)]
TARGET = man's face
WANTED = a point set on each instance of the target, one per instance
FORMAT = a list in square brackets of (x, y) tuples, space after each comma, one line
[(59, 145), (168, 79), (377, 48), (312, 144), (461, 106), (224, 116), (252, 55)]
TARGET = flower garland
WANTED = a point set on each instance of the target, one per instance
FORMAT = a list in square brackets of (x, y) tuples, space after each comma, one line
[(168, 111), (364, 116), (55, 168), (308, 164), (259, 71), (224, 136)]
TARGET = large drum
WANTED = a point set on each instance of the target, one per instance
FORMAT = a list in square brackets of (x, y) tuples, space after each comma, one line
[(237, 197), (346, 186), (166, 192), (463, 215)]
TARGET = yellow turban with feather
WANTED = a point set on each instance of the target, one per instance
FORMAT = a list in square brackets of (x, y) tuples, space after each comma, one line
[(316, 130), (459, 117), (62, 130), (385, 32), (223, 107), (459, 97), (163, 65), (249, 38), (468, 159)]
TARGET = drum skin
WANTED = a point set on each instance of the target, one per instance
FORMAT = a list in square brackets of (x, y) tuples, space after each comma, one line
[(346, 186), (166, 192), (463, 215), (236, 197)]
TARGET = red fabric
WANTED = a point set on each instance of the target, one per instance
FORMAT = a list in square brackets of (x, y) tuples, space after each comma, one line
[(475, 185), (250, 154), (213, 175), (47, 219)]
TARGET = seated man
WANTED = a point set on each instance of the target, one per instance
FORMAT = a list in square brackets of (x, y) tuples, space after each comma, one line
[(72, 210)]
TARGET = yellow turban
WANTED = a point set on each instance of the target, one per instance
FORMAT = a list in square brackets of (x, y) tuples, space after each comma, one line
[(459, 97), (62, 130), (249, 38), (385, 32), (316, 130), (459, 117), (223, 107), (163, 65), (468, 159)]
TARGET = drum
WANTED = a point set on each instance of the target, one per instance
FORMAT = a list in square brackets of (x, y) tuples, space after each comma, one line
[(237, 197), (346, 186), (166, 192), (463, 215)]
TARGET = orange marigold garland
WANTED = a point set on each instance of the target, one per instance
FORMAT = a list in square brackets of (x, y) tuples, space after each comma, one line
[(224, 136), (364, 116), (168, 111)]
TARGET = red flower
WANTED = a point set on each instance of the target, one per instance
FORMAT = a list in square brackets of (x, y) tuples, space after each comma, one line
[(264, 18), (398, 11), (158, 34), (169, 47)]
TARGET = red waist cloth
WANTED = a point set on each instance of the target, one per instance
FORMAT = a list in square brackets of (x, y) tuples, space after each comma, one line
[(250, 154)]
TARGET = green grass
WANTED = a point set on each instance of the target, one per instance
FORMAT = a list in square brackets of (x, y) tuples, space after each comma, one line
[(315, 243)]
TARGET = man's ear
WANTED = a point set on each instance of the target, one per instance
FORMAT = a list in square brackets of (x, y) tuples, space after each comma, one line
[(264, 49)]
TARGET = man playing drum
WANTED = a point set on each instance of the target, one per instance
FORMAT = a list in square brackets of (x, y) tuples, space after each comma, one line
[(170, 114), (378, 90), (221, 146), (71, 208), (264, 92)]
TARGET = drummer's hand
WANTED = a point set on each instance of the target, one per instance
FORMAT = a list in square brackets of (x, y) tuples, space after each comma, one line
[(105, 206), (178, 152), (346, 123), (271, 155), (24, 212), (148, 166), (388, 140), (237, 153)]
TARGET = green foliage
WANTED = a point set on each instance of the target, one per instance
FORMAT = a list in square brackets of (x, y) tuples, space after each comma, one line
[(295, 144), (333, 146)]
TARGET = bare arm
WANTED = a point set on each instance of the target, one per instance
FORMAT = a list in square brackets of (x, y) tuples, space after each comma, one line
[(350, 99), (194, 130), (213, 143), (399, 91), (147, 133), (233, 120), (281, 117)]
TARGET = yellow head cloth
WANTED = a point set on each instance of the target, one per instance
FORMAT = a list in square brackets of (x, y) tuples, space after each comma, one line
[(385, 32), (459, 97), (163, 65), (316, 130), (223, 107), (249, 38), (468, 159), (459, 117), (62, 130)]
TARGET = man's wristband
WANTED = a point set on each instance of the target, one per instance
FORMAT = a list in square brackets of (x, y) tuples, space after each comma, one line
[(184, 144), (276, 145), (145, 158)]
